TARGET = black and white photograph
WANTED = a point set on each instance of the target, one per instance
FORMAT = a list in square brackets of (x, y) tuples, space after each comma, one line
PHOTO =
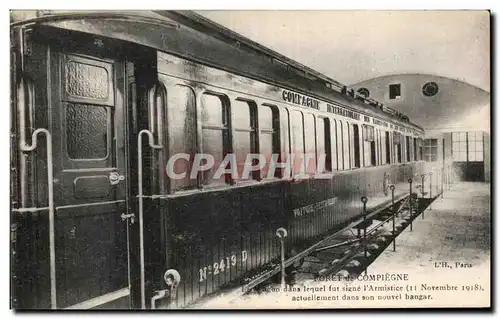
[(249, 159)]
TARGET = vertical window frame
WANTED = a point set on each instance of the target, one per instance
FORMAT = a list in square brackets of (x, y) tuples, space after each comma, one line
[(226, 130), (356, 145), (276, 137), (326, 140), (415, 145), (190, 107), (408, 148), (388, 144), (253, 134)]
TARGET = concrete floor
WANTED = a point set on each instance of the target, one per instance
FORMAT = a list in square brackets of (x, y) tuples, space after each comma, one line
[(448, 249), (456, 230)]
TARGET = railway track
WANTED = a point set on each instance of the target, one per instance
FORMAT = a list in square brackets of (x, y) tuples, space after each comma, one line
[(351, 253), (344, 253), (348, 254)]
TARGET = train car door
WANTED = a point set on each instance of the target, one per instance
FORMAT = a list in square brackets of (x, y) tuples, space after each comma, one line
[(88, 123)]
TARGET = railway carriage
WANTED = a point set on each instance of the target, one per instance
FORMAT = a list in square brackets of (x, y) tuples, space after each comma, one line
[(102, 101)]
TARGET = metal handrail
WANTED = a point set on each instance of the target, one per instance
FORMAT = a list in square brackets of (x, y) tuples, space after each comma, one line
[(25, 85), (25, 97), (50, 181), (141, 207)]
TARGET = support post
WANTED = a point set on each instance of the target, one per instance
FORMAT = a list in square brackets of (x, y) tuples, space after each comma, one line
[(393, 220), (449, 177), (172, 279), (423, 192), (442, 183), (24, 147), (410, 181), (430, 190), (282, 234), (140, 196), (364, 200)]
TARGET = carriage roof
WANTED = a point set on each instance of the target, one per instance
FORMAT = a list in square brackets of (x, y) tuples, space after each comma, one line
[(162, 29)]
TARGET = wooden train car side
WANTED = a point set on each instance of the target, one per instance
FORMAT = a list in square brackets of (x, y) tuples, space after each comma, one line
[(237, 237), (97, 220), (240, 218)]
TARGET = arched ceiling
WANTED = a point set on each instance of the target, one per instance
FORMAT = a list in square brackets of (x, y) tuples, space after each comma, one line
[(455, 106), (354, 46)]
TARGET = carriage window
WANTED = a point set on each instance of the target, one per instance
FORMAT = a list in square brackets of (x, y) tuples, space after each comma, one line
[(182, 134), (324, 143), (387, 148), (245, 134), (340, 145), (347, 146), (381, 140), (310, 142), (415, 149), (408, 149), (397, 147), (156, 111), (269, 141), (215, 135), (297, 128), (334, 140), (369, 141), (328, 145), (399, 153), (379, 149), (355, 133), (402, 145), (288, 134), (421, 149), (87, 131)]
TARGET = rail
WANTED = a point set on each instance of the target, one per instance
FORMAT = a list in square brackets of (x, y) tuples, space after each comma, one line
[(236, 292), (26, 87), (141, 208), (384, 213), (50, 183), (260, 279), (366, 237)]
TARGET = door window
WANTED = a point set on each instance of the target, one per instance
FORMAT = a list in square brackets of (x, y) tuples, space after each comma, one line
[(87, 131)]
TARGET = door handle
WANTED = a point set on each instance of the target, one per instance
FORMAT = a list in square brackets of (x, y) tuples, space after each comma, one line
[(115, 178), (128, 216)]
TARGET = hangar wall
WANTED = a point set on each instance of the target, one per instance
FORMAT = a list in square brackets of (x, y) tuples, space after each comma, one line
[(443, 107)]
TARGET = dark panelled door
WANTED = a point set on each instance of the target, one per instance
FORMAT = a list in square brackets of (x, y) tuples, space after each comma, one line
[(88, 125)]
